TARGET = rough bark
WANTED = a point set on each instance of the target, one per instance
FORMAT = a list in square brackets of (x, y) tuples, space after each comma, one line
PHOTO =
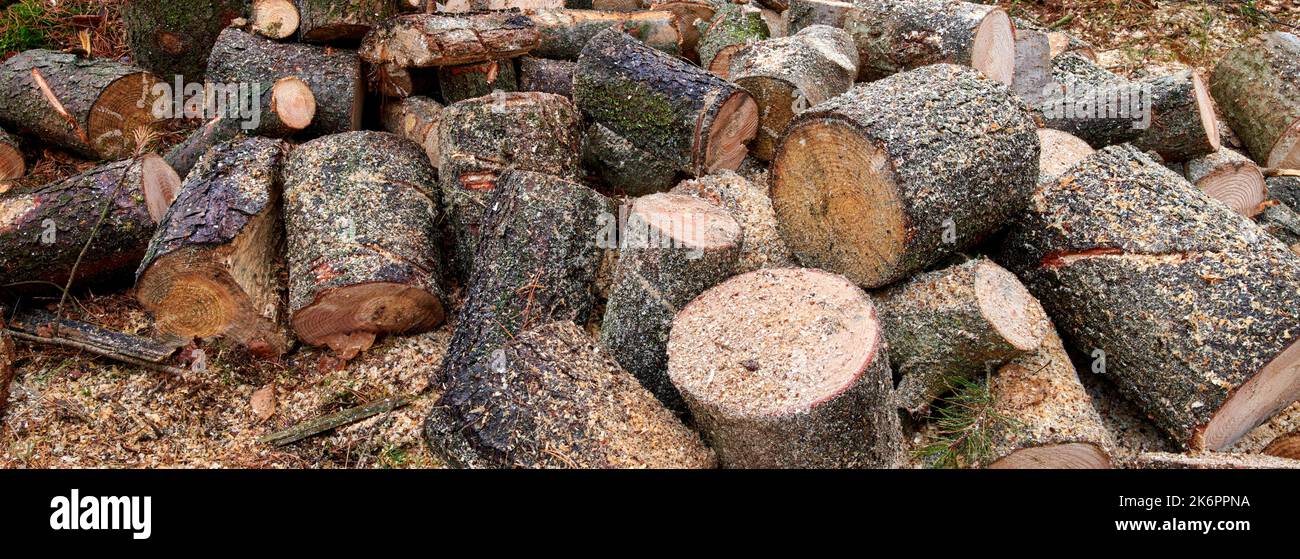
[(663, 104), (212, 267), (805, 13), (1188, 304), (1282, 222), (1257, 87), (1212, 461), (424, 40), (482, 137), (766, 394), (687, 17), (1231, 178), (624, 167), (466, 81), (1060, 42), (1033, 66), (92, 107), (898, 35), (546, 75), (335, 21), (415, 118), (12, 164), (174, 38), (7, 368), (361, 214), (893, 176), (790, 74), (1058, 152), (183, 156), (762, 245), (40, 323), (526, 6), (565, 32), (733, 27), (274, 19), (287, 107), (1285, 189)]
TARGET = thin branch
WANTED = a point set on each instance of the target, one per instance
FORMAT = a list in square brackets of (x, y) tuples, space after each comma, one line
[(88, 348)]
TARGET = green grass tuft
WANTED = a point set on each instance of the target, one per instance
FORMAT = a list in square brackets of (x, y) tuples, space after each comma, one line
[(963, 424)]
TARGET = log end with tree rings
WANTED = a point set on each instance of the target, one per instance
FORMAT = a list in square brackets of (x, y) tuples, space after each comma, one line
[(994, 48)]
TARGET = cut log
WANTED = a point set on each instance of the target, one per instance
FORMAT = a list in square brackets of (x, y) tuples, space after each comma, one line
[(96, 108), (1257, 87), (624, 167), (335, 21), (1190, 309), (1286, 446), (361, 218), (1059, 41), (1058, 152), (732, 27), (44, 324), (1285, 189), (1212, 461), (790, 74), (546, 75), (565, 32), (672, 247), (762, 246), (954, 324), (287, 107), (480, 138), (688, 15), (525, 6), (898, 35), (424, 40), (211, 269), (1282, 222), (466, 81), (332, 74), (766, 394), (895, 175), (274, 19), (185, 155), (12, 164), (1231, 178), (392, 80), (174, 38), (415, 118), (1033, 74), (663, 104), (609, 5), (42, 231), (805, 13)]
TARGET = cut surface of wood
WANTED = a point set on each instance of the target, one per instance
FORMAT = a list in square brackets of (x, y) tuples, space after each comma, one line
[(1231, 178), (274, 19)]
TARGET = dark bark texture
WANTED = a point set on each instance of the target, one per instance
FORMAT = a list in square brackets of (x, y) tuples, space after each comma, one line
[(423, 40), (175, 38), (624, 167), (1257, 88), (565, 32), (546, 75), (466, 81), (332, 21)]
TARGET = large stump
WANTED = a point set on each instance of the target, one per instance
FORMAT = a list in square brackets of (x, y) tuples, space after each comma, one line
[(423, 40), (565, 32), (893, 176), (1186, 305), (898, 35), (1257, 87), (333, 21), (761, 246), (174, 39)]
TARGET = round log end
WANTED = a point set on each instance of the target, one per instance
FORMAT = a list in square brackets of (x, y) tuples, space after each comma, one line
[(347, 318), (686, 222), (721, 63), (1059, 151), (735, 125), (186, 300), (12, 164), (121, 114), (1007, 305), (1286, 151), (275, 19), (1241, 187), (160, 184), (293, 101), (1276, 386), (779, 97), (1055, 457), (994, 51)]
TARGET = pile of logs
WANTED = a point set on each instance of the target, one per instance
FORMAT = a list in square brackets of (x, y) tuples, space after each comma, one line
[(695, 233)]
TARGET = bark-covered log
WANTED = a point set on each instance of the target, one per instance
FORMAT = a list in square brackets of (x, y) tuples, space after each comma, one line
[(1059, 41), (1257, 87), (93, 107), (1211, 461), (565, 32), (1282, 222), (1033, 73), (766, 393), (211, 268), (415, 118), (790, 74), (672, 247), (1231, 178), (274, 19), (805, 13), (1191, 309), (1285, 189), (466, 81), (897, 35), (525, 6), (480, 138), (391, 80), (361, 219), (663, 104), (332, 74), (286, 107), (12, 164), (546, 75), (174, 38), (42, 231), (44, 324), (185, 155), (687, 17), (762, 245), (895, 175), (424, 40), (732, 27), (1058, 151), (624, 167), (954, 324), (333, 21)]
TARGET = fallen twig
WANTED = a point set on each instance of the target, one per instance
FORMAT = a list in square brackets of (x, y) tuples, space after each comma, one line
[(90, 348), (338, 419)]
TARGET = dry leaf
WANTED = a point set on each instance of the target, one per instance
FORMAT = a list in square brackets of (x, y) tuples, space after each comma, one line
[(264, 402)]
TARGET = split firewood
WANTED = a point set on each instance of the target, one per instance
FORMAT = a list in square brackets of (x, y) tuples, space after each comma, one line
[(790, 74), (361, 219), (1212, 461), (424, 40), (732, 27), (671, 248), (955, 324), (97, 108), (392, 80), (623, 166), (333, 21), (333, 76), (761, 245), (480, 138), (688, 16), (466, 81), (211, 268), (1257, 87), (174, 38), (895, 175), (1285, 446), (12, 164), (546, 75), (565, 32), (1285, 189), (1282, 222), (44, 324), (1171, 293), (525, 6), (415, 118), (1231, 178), (43, 231), (1058, 151), (663, 104), (1033, 73), (765, 394), (805, 13), (274, 19), (898, 35), (552, 398)]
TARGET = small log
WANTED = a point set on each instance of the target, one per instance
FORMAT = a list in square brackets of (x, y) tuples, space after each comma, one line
[(552, 398), (1257, 87), (287, 107), (1211, 461), (546, 75), (480, 138), (623, 166), (1175, 295), (733, 27), (96, 108), (768, 395), (895, 175), (466, 81), (525, 6), (415, 118), (688, 15), (333, 421), (898, 35), (1231, 178), (672, 247), (93, 349), (1060, 42), (954, 324), (211, 268), (565, 32), (335, 21), (332, 74), (12, 164), (43, 231), (174, 38), (790, 74), (274, 19), (361, 218), (183, 156), (1033, 73), (40, 323), (424, 40), (761, 246), (1285, 446), (1285, 189), (1058, 152), (663, 104), (805, 13), (1282, 222)]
